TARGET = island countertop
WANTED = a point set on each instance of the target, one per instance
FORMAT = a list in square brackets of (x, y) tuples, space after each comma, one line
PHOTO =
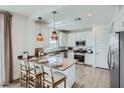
[(64, 62), (50, 60)]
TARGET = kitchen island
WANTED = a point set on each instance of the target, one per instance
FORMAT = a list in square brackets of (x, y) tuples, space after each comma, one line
[(67, 67)]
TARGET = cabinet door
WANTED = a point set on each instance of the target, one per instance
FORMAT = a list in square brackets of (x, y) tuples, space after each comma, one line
[(62, 39), (117, 22), (121, 20), (89, 39), (89, 59), (101, 47), (71, 39), (68, 40), (71, 55)]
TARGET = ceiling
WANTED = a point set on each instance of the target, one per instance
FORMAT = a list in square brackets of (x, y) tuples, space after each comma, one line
[(65, 18)]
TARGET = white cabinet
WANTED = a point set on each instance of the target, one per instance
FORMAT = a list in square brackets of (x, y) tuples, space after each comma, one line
[(70, 79), (78, 36), (62, 39), (70, 54), (89, 39), (117, 22), (89, 59), (71, 39), (121, 20)]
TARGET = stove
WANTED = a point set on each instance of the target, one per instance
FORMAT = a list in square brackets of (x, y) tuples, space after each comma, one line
[(80, 54)]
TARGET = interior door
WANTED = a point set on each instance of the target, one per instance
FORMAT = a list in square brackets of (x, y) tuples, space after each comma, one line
[(1, 49), (0, 54), (0, 60), (101, 47)]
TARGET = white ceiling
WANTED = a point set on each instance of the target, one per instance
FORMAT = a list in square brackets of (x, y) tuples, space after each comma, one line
[(101, 14)]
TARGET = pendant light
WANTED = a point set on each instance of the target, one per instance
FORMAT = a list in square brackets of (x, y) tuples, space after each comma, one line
[(39, 36), (54, 33)]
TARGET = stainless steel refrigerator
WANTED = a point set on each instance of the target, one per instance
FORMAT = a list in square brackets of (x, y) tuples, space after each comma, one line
[(116, 60)]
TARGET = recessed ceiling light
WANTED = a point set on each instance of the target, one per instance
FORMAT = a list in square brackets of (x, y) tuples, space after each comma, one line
[(89, 14)]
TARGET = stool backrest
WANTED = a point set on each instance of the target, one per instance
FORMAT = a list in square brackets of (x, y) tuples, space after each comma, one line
[(23, 65), (32, 66), (49, 72)]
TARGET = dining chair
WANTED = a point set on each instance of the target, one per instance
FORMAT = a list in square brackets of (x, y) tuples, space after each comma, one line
[(53, 78), (24, 73), (35, 75)]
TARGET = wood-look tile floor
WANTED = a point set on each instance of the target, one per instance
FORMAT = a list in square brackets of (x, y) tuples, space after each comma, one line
[(89, 77), (86, 77)]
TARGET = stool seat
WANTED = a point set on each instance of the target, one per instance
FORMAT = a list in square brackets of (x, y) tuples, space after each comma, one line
[(53, 78), (57, 76)]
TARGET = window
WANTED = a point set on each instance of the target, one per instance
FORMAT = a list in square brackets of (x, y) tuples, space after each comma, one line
[(53, 44)]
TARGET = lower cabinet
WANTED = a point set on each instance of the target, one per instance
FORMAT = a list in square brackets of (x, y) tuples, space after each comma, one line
[(70, 55), (89, 59)]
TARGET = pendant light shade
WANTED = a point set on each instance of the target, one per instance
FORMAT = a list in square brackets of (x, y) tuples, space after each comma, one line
[(39, 36), (54, 35)]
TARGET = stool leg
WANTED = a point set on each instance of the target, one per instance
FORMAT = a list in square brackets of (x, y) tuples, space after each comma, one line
[(20, 80), (40, 82), (65, 83), (28, 81), (26, 77)]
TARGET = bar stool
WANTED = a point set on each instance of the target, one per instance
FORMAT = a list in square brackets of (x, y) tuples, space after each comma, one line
[(35, 75), (24, 73), (53, 79)]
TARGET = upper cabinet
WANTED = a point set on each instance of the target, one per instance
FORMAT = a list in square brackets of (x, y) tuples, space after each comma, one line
[(116, 22), (72, 37), (121, 19), (62, 39)]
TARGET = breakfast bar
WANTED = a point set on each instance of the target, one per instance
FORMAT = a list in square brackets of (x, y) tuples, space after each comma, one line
[(59, 64)]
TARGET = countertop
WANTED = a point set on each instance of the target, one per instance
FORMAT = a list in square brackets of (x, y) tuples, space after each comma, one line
[(47, 51), (49, 60)]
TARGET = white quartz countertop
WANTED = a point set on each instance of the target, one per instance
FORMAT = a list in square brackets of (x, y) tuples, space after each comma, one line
[(55, 62)]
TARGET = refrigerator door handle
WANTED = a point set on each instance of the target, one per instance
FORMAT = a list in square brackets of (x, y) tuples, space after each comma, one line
[(108, 58), (113, 67)]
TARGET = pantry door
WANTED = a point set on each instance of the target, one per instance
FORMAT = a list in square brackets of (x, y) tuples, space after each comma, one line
[(101, 47), (0, 57), (1, 49)]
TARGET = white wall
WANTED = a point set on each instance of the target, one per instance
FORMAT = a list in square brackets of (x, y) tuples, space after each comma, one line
[(33, 43), (19, 40)]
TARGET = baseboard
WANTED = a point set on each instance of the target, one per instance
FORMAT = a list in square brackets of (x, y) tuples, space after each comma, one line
[(80, 63), (102, 68), (16, 80), (88, 65)]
